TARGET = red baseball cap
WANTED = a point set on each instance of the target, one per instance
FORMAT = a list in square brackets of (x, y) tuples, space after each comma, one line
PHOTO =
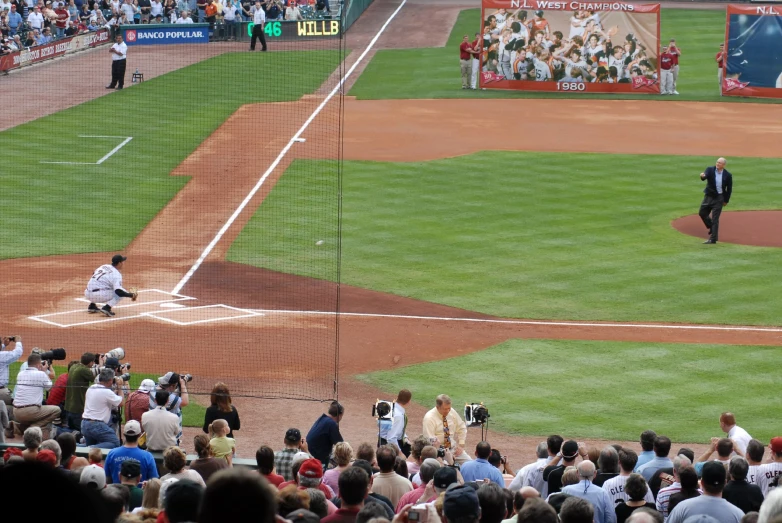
[(48, 457), (311, 468), (776, 444)]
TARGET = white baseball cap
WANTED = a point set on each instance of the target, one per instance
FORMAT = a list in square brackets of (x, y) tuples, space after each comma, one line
[(93, 476), (147, 385)]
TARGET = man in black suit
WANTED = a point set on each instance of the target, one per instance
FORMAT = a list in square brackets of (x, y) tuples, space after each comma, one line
[(719, 184)]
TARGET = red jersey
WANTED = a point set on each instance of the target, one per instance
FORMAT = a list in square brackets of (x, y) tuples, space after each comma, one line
[(666, 61), (62, 18), (538, 25), (674, 55), (476, 46), (719, 57), (463, 54), (57, 394)]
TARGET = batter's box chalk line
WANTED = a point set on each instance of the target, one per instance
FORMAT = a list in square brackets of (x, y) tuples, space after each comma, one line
[(162, 315)]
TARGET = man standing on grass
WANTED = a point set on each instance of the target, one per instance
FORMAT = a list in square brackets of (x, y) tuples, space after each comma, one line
[(720, 59), (674, 50), (465, 61), (259, 20), (476, 61), (719, 185)]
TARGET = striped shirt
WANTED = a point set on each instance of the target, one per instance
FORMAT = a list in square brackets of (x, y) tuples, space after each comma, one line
[(664, 497)]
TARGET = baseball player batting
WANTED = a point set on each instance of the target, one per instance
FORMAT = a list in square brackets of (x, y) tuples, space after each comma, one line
[(105, 286)]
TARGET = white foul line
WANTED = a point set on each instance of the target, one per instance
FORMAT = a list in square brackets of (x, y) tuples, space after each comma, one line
[(296, 138), (532, 322), (117, 148)]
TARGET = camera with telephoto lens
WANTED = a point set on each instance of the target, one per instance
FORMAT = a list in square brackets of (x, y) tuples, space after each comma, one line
[(187, 378), (118, 353), (53, 354)]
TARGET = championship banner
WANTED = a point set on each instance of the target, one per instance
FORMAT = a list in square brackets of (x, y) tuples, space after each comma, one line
[(753, 51), (57, 48), (586, 47), (158, 34)]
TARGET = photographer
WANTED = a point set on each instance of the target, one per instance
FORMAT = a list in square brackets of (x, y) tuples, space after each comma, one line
[(178, 398), (98, 404), (29, 410), (11, 351), (80, 377)]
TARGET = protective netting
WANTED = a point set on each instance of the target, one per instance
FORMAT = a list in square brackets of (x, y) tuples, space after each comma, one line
[(216, 171)]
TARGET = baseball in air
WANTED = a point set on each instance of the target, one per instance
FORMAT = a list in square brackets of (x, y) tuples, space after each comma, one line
[(319, 242)]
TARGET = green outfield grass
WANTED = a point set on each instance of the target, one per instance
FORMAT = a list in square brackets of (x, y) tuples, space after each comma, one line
[(434, 72), (528, 235), (192, 415), (605, 390), (63, 209)]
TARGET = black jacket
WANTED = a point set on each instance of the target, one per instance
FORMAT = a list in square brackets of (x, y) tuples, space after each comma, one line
[(711, 186), (745, 496)]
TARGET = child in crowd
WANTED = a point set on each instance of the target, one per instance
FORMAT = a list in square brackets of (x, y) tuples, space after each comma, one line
[(95, 457), (222, 446)]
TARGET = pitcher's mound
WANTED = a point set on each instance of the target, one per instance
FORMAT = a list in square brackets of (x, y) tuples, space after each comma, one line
[(760, 228)]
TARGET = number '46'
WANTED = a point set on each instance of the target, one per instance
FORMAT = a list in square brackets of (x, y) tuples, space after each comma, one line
[(273, 29)]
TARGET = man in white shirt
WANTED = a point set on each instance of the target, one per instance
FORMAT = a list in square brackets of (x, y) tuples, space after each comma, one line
[(28, 396), (542, 461), (534, 477), (98, 404), (35, 19), (119, 54), (754, 456), (397, 434), (11, 351), (184, 19), (259, 20), (443, 426), (739, 436), (768, 472), (161, 426), (105, 285)]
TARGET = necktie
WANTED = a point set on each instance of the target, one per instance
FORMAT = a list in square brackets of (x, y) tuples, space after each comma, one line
[(446, 433)]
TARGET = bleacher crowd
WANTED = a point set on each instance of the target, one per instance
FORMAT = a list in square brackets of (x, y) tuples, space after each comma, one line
[(28, 23), (136, 469)]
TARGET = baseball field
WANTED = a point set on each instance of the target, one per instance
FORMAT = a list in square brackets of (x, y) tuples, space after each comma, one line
[(538, 253)]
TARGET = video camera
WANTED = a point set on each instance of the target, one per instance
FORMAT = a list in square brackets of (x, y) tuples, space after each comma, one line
[(383, 410), (476, 414)]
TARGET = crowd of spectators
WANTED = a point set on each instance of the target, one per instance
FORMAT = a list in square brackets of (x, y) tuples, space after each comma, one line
[(29, 23), (318, 477)]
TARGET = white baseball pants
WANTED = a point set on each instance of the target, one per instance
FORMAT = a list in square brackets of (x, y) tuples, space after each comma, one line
[(106, 296), (666, 83), (476, 68)]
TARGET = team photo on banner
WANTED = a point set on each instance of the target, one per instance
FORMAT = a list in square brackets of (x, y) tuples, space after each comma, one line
[(537, 45), (753, 56)]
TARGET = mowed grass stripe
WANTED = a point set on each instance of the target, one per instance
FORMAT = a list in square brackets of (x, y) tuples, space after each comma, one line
[(527, 235), (605, 390), (65, 209), (434, 72)]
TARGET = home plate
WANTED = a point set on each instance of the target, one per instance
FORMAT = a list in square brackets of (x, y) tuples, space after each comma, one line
[(171, 305)]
